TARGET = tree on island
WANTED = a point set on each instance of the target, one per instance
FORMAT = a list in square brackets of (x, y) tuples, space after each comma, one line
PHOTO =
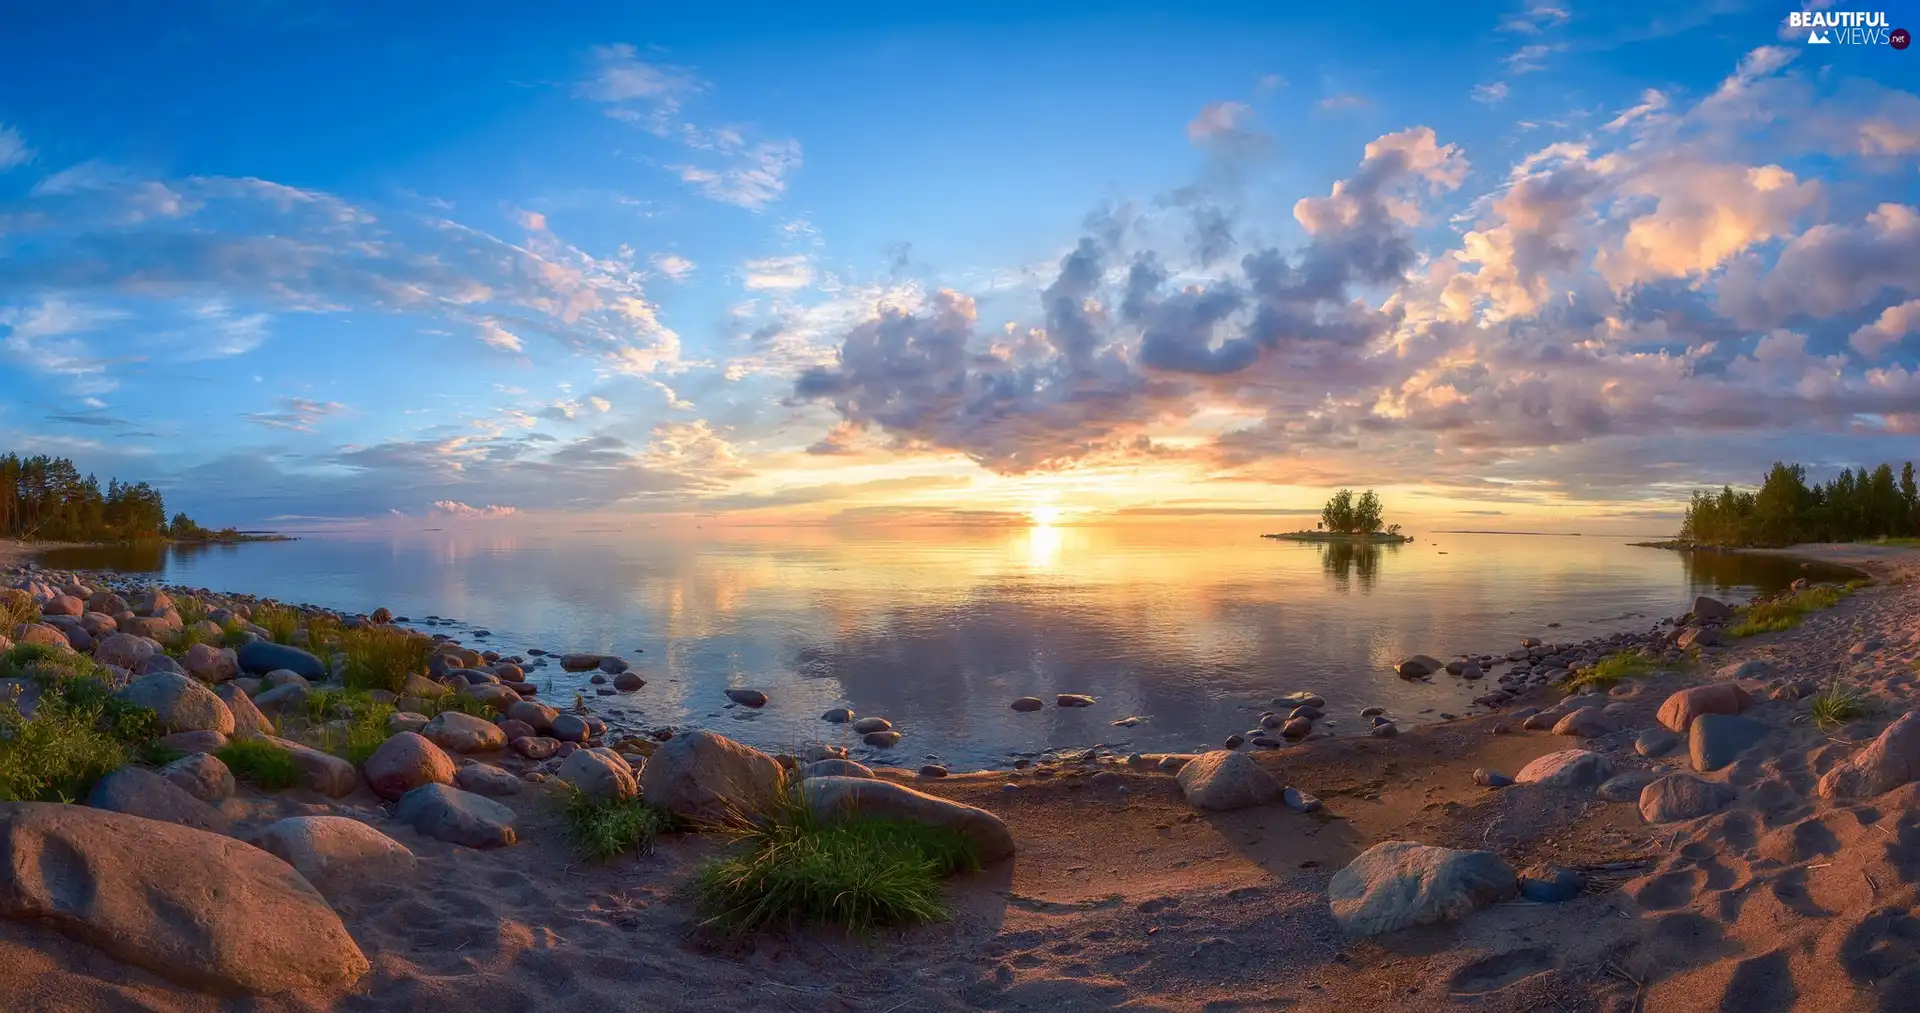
[(1345, 515)]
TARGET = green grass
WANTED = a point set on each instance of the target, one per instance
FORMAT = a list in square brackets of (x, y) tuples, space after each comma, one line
[(1903, 543), (16, 607), (191, 610), (365, 728), (1837, 705), (603, 829), (381, 657), (1784, 614), (1611, 670), (455, 701), (79, 731), (279, 621), (794, 869), (259, 763)]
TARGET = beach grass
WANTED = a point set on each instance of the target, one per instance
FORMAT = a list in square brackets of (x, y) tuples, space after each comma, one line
[(78, 733), (455, 701), (1784, 614), (606, 828), (16, 607), (791, 868), (279, 621), (1611, 670), (381, 657), (349, 723), (259, 763), (1836, 705)]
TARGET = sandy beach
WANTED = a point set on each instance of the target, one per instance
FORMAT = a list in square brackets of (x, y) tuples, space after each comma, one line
[(1123, 896)]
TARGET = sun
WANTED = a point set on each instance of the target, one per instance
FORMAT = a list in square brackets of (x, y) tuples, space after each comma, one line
[(1044, 516)]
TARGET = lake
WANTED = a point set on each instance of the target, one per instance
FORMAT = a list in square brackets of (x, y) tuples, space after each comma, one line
[(1190, 629)]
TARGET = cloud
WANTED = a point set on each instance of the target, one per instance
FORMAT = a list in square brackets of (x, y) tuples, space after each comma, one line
[(672, 265), (1893, 324), (1703, 215), (1830, 269), (777, 273), (1222, 127), (1342, 103), (89, 175), (1538, 17), (1652, 103), (494, 335), (461, 511), (1530, 58), (756, 177), (621, 79), (296, 414), (46, 336), (14, 151), (1492, 93), (600, 404)]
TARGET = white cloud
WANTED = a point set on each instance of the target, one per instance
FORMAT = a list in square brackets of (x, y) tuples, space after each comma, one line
[(778, 273), (1531, 58), (13, 149), (756, 177), (600, 404), (461, 511), (491, 333), (672, 265), (1492, 93), (296, 414), (1895, 323), (89, 175), (1652, 103)]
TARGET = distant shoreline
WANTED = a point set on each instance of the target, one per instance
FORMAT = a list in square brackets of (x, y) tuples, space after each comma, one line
[(1377, 538), (14, 550)]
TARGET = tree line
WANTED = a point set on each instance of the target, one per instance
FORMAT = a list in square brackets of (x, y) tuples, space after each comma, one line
[(1855, 506), (43, 497), (1345, 515)]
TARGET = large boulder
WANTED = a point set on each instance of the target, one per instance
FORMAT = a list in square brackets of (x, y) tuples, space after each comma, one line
[(137, 791), (464, 733), (599, 774), (1400, 884), (487, 779), (457, 817), (248, 722), (1705, 608), (197, 908), (210, 664), (62, 605), (1224, 779), (1716, 739), (835, 766), (320, 847), (41, 634), (405, 762), (1679, 710), (1886, 763), (1419, 666), (184, 705), (322, 772), (534, 715), (839, 797), (201, 775), (1683, 797), (708, 776), (263, 656), (1569, 768)]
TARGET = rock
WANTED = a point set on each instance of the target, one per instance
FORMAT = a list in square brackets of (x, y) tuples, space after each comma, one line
[(405, 762), (1551, 884), (280, 699), (838, 716), (613, 665), (194, 742), (537, 716), (1223, 779), (1540, 721), (1587, 722), (1705, 608), (1385, 730), (457, 817), (409, 721), (1491, 778), (747, 697), (320, 847), (264, 656), (248, 722), (1568, 768), (881, 740), (183, 704), (627, 682), (1400, 884), (579, 662), (1300, 801), (487, 779), (199, 909), (872, 724), (1234, 741), (1680, 709), (835, 797), (1889, 761), (201, 775), (122, 650), (835, 768), (1697, 636), (1625, 786), (1717, 738), (571, 728), (283, 677), (137, 791), (210, 664), (159, 663), (707, 776), (1073, 700), (1372, 712), (464, 733), (1028, 704), (537, 747), (497, 698), (1752, 668), (599, 774), (1795, 689), (1683, 797), (1419, 666), (322, 772), (1655, 742)]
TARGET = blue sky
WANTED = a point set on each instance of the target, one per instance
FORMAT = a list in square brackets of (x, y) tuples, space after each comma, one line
[(340, 261)]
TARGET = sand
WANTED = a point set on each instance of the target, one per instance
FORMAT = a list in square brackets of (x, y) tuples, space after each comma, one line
[(1132, 900)]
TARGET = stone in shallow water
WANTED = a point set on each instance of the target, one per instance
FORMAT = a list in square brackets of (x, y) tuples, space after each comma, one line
[(747, 697), (1028, 704), (872, 724), (1073, 700)]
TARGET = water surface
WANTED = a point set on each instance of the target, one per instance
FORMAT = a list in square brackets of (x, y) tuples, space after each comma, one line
[(1191, 629)]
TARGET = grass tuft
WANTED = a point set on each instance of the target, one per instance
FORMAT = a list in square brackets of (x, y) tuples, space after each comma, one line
[(259, 763), (16, 607), (279, 621), (1836, 705), (455, 701), (603, 829), (381, 657), (348, 723), (795, 869), (1784, 613), (78, 733), (191, 610), (1611, 671)]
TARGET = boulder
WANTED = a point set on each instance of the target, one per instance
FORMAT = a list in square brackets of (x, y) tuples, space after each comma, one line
[(1705, 608), (497, 698), (613, 665), (405, 762), (599, 774), (571, 728), (457, 817), (707, 776), (869, 725), (406, 721), (1569, 768), (486, 779), (137, 791), (194, 742), (210, 664), (579, 662), (107, 602), (831, 797), (1683, 797), (1551, 884), (838, 716), (1697, 636), (747, 697), (1680, 709), (279, 699), (1585, 723), (1886, 763), (263, 656), (1028, 704), (201, 775), (1655, 743), (627, 682), (41, 634), (464, 733), (248, 722), (835, 767), (1716, 739), (183, 704), (1418, 666), (322, 772), (1223, 779), (202, 910), (537, 716), (1625, 786), (1400, 884), (319, 847)]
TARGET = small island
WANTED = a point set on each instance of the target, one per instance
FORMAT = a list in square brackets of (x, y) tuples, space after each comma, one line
[(46, 500), (1345, 519)]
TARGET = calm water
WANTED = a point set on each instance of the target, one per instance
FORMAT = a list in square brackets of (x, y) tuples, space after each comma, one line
[(1192, 630)]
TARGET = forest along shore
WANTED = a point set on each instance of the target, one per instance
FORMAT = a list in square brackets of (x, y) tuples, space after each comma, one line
[(1726, 833)]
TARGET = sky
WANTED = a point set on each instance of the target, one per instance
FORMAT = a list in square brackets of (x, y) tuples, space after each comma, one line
[(1546, 264)]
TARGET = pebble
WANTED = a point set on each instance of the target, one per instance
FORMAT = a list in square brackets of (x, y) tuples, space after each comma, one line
[(933, 770), (1551, 884), (1300, 801), (747, 697), (1028, 704), (838, 715), (1235, 741), (1386, 731), (1491, 778), (1073, 700)]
